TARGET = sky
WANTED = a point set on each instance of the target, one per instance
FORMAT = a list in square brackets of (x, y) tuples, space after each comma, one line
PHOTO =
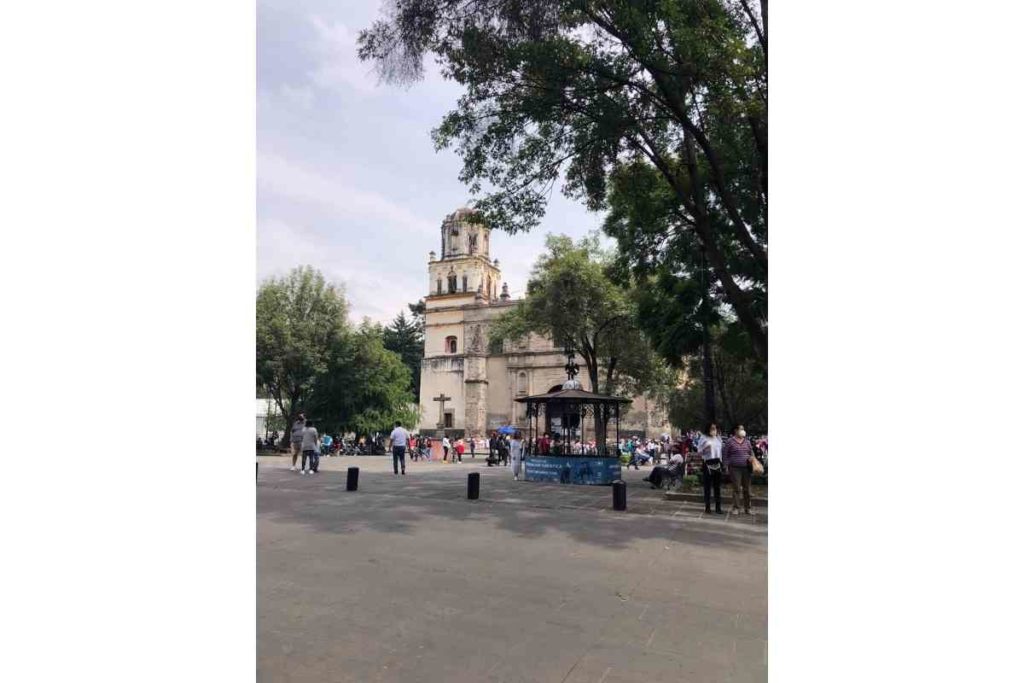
[(348, 180)]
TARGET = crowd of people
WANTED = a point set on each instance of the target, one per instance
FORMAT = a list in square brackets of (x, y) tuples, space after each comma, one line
[(718, 459)]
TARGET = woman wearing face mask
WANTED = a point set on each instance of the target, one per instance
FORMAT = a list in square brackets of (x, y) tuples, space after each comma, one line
[(710, 450), (736, 454)]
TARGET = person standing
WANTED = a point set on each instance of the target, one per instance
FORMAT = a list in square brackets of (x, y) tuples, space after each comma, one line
[(460, 448), (711, 467), (492, 449), (399, 440), (736, 454), (472, 447), (516, 450), (447, 446), (296, 438), (310, 448)]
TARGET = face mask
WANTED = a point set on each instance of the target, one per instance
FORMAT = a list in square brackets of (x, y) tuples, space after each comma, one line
[(742, 433)]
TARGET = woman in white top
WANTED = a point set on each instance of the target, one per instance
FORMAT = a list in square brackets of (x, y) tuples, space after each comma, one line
[(516, 450), (710, 449)]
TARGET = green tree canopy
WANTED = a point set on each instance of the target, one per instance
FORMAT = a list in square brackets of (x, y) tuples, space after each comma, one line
[(578, 90), (308, 357), (366, 388), (571, 299), (404, 336)]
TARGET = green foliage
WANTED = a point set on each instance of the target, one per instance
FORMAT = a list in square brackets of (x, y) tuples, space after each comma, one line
[(405, 337), (309, 358), (669, 96), (741, 386), (571, 299), (366, 388)]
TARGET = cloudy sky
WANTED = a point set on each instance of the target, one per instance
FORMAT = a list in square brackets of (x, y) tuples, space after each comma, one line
[(348, 179)]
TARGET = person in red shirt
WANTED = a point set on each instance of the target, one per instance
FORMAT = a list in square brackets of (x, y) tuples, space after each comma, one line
[(460, 448)]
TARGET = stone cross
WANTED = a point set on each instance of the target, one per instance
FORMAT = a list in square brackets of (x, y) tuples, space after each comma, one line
[(442, 399)]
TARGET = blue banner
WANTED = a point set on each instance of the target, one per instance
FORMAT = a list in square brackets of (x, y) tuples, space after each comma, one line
[(568, 470)]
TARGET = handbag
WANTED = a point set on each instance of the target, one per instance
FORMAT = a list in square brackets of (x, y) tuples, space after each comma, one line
[(756, 465)]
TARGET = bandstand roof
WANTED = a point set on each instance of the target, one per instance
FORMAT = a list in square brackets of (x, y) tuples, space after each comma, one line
[(572, 396)]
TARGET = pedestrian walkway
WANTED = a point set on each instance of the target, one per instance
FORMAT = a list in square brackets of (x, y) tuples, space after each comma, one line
[(444, 481), (407, 580)]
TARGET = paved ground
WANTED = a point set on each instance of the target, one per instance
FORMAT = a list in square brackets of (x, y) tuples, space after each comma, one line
[(406, 580)]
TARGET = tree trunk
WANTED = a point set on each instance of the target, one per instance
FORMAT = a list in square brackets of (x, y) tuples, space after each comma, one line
[(709, 377), (705, 314)]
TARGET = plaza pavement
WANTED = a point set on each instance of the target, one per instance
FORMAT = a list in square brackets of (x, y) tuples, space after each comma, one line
[(407, 580)]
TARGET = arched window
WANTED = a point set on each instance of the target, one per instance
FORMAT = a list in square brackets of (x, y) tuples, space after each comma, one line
[(452, 284), (490, 292), (465, 283), (451, 345), (521, 384), (438, 285)]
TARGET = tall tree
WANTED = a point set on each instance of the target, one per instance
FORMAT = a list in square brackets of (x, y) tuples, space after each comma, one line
[(740, 381), (308, 357), (366, 388), (405, 337), (571, 298), (578, 89), (300, 321)]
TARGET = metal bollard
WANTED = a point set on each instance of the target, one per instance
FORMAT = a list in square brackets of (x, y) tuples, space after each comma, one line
[(474, 485), (353, 479), (619, 495)]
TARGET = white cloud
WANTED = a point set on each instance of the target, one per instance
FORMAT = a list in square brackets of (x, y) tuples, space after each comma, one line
[(373, 290), (339, 64), (279, 176)]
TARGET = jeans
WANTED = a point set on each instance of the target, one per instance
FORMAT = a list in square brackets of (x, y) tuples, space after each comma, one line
[(314, 460), (398, 455), (712, 479), (739, 475)]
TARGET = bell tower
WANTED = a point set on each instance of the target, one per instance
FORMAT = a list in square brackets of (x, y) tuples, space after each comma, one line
[(465, 266)]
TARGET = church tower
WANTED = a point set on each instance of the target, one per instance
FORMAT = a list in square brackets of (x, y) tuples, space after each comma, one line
[(463, 283), (465, 265)]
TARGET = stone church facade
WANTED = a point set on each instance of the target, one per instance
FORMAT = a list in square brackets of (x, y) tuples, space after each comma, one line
[(466, 294)]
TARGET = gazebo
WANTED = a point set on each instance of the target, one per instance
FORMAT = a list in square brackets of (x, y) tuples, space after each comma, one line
[(572, 405)]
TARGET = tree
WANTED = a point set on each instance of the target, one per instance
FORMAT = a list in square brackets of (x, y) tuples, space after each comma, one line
[(300, 321), (578, 90), (571, 298), (742, 385), (405, 337), (309, 358), (366, 388)]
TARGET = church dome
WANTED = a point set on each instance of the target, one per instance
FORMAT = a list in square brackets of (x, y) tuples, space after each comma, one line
[(570, 384)]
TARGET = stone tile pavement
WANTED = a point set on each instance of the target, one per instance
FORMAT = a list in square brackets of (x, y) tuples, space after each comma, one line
[(406, 580)]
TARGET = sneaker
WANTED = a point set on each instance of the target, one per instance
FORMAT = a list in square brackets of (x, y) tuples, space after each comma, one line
[(734, 511), (294, 469), (707, 511), (403, 472), (748, 512), (304, 471)]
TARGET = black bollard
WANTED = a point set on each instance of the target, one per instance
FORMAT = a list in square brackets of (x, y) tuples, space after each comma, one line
[(619, 495), (353, 479), (474, 485)]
